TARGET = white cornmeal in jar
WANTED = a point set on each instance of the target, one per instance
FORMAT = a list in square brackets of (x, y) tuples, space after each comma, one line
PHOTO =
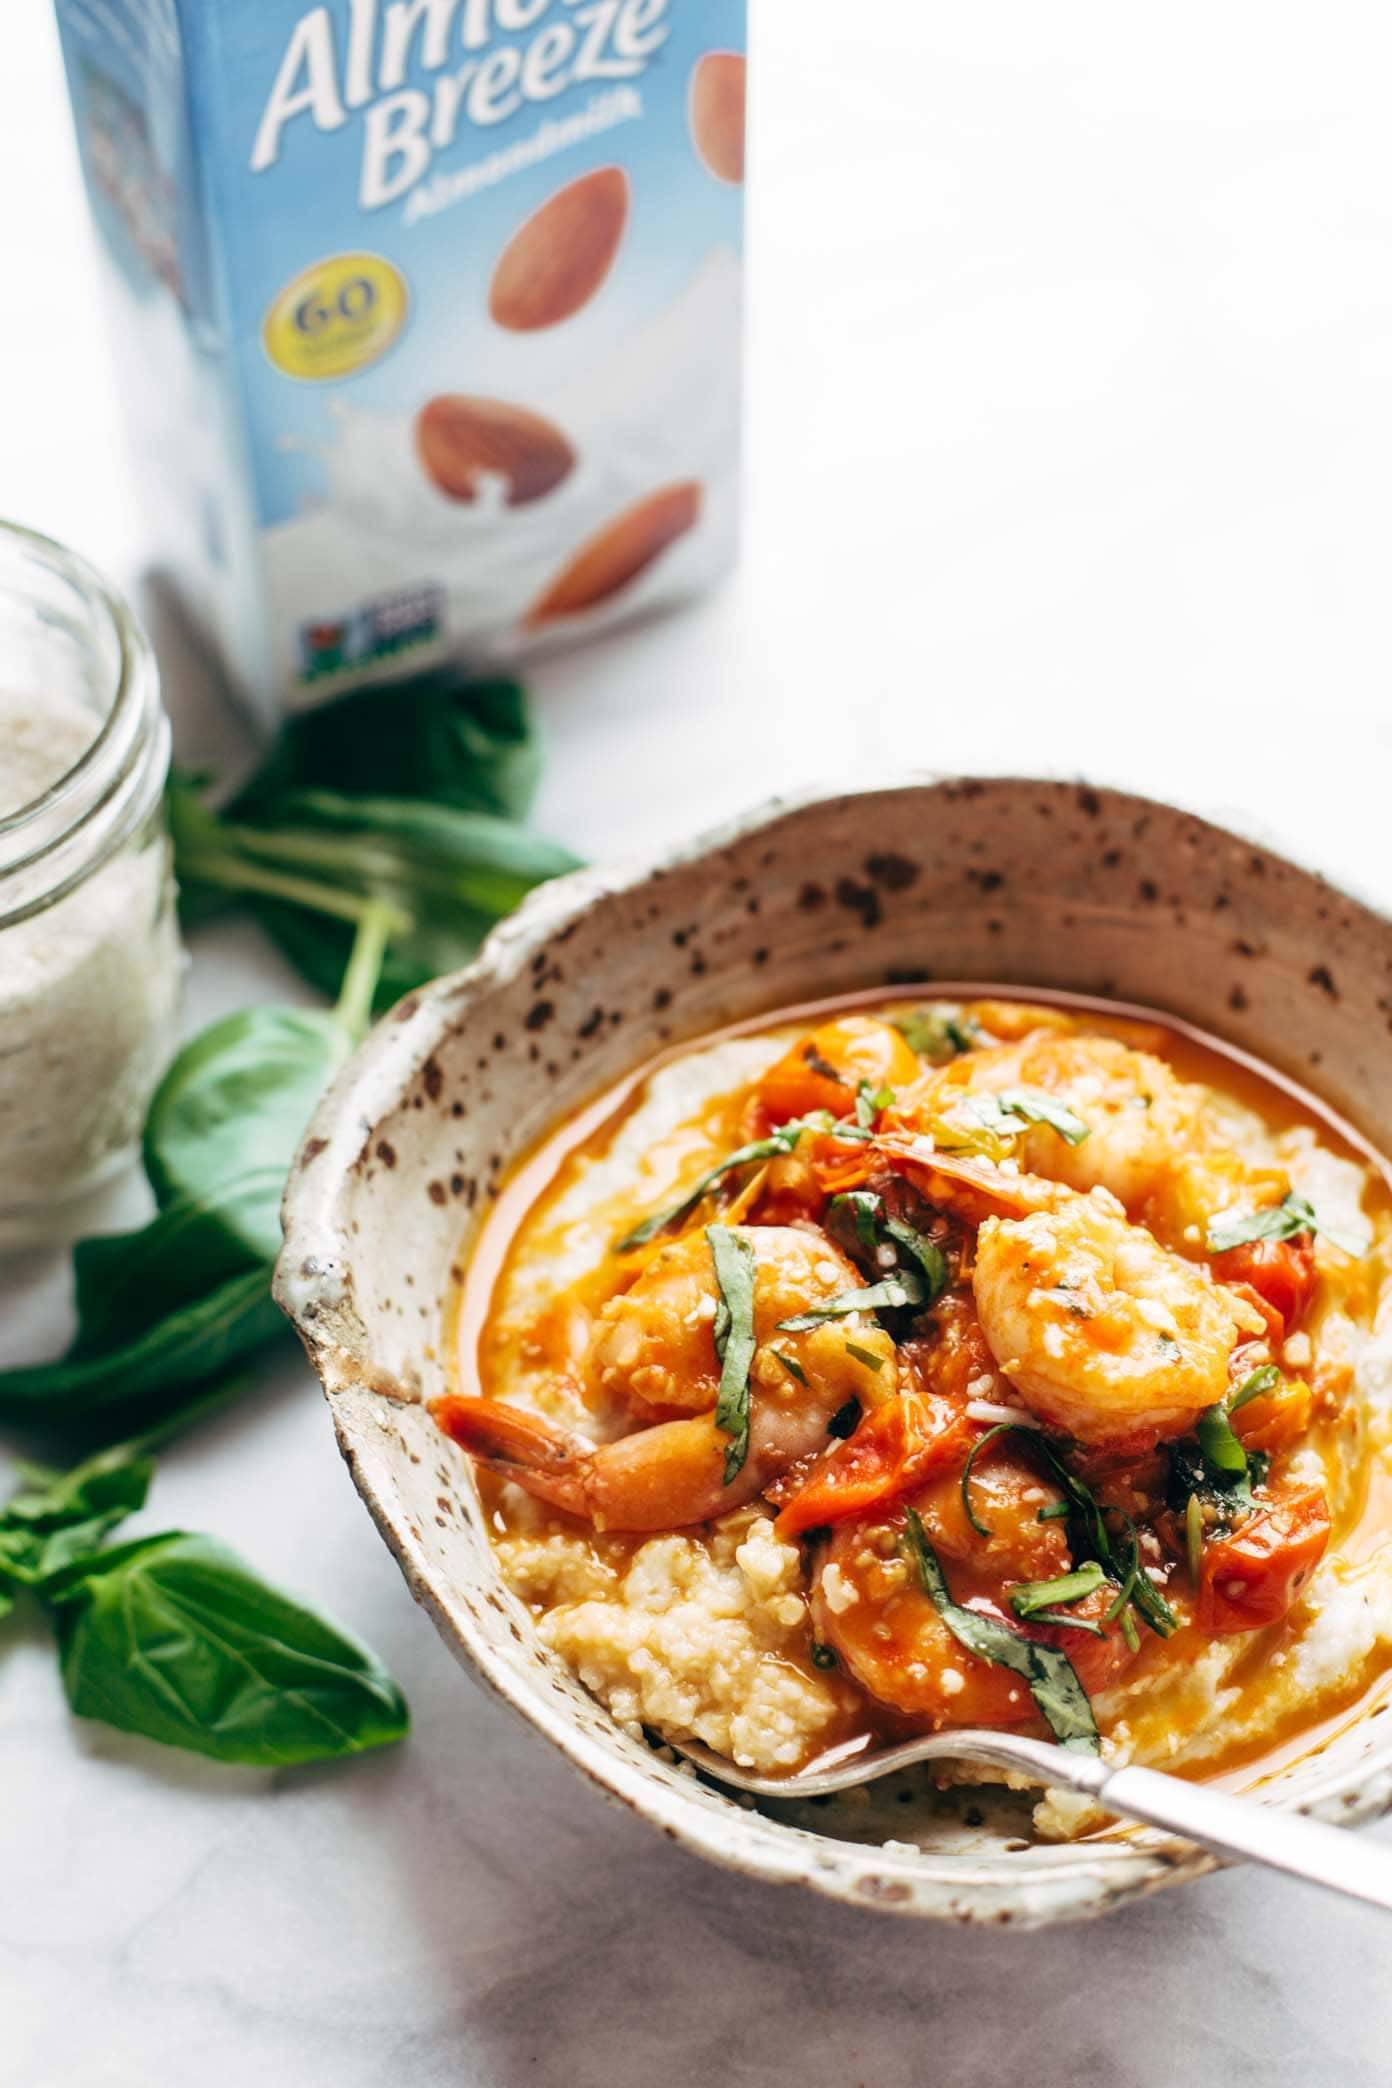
[(89, 985)]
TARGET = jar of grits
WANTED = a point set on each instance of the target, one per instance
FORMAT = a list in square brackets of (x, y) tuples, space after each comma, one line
[(90, 960)]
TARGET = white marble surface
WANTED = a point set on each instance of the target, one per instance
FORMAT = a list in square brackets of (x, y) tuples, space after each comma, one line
[(1069, 449)]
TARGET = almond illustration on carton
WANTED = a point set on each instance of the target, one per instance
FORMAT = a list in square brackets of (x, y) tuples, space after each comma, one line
[(460, 440), (619, 552), (555, 262), (717, 113)]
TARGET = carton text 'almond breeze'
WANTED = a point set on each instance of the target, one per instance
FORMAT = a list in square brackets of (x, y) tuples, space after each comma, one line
[(430, 314)]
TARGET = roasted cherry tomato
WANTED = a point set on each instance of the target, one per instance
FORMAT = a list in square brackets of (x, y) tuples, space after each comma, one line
[(1281, 1272), (825, 1069), (1252, 1576)]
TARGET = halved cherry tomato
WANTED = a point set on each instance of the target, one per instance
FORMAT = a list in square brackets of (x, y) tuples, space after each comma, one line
[(1252, 1576), (893, 1450), (1277, 1419), (1281, 1272), (902, 1443), (825, 1069)]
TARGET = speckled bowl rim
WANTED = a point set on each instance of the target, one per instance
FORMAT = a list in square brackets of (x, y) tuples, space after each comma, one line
[(1083, 1880)]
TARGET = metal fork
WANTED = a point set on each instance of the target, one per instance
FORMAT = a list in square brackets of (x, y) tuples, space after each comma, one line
[(1235, 1828)]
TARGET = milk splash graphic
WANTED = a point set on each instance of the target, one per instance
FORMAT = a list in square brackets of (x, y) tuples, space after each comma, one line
[(665, 407)]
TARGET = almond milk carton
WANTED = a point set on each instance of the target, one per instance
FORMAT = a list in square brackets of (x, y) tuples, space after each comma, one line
[(429, 313)]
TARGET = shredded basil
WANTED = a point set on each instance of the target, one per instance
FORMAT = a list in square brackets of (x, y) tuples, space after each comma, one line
[(863, 1208), (1030, 1597), (937, 1034), (931, 1261), (792, 1366), (777, 1143), (1282, 1221), (1050, 1675), (733, 1255), (1038, 1108), (1193, 1536), (1261, 1381), (1092, 1532), (1001, 1428), (864, 1355), (905, 1288), (1219, 1445)]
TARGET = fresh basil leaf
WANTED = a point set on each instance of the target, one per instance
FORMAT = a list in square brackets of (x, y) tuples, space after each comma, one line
[(907, 1288), (792, 1366), (1266, 1379), (157, 1369), (732, 1252), (1091, 1533), (1194, 1536), (233, 1108), (1049, 1674), (863, 1208), (124, 1282), (175, 1638), (1029, 1598)]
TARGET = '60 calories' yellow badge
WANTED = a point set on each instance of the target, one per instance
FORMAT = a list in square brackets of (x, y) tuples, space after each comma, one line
[(336, 316)]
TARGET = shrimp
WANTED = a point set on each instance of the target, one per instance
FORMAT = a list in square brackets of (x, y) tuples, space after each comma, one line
[(1146, 1137), (869, 1606), (653, 1349), (1105, 1334), (655, 1346), (1136, 1111)]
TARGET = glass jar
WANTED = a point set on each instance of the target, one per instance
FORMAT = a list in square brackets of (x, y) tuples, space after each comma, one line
[(90, 960)]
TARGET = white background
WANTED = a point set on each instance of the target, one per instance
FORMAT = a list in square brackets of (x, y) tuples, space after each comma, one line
[(1069, 450)]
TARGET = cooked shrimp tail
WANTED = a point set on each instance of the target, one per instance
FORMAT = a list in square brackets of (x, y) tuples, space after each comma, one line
[(547, 1461), (660, 1478)]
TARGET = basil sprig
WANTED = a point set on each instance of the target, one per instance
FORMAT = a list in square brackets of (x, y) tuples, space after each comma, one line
[(173, 1637), (732, 1252), (412, 796), (1049, 1674)]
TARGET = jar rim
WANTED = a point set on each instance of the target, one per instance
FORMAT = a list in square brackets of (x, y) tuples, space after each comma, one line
[(132, 651), (131, 742)]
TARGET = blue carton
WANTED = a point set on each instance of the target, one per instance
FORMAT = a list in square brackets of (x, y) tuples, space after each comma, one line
[(428, 315)]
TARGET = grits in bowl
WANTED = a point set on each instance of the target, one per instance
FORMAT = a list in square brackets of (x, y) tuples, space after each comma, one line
[(887, 1366)]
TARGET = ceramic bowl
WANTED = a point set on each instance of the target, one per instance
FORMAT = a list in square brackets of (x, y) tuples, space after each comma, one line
[(1034, 883)]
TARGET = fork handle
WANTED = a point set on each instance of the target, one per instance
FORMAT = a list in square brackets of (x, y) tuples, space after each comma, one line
[(1235, 1827)]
